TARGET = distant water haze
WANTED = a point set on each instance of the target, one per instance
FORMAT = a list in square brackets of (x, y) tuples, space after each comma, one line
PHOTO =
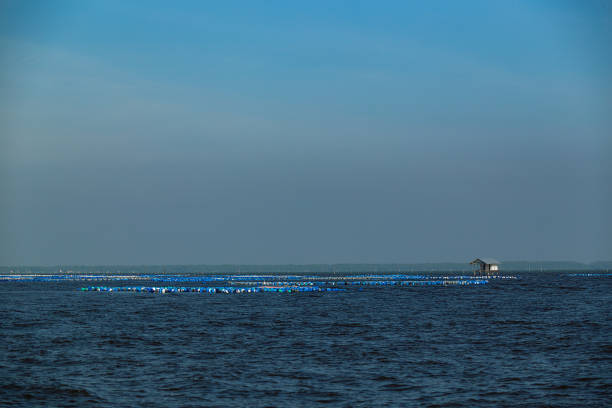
[(507, 268), (304, 134)]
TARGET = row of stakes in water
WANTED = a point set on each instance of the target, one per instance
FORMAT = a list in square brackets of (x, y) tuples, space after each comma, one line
[(215, 278), (415, 283), (370, 283), (323, 279), (244, 279)]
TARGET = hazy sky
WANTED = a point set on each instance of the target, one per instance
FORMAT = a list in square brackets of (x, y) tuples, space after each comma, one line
[(318, 132)]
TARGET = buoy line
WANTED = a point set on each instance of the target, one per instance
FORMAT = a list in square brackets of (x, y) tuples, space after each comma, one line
[(209, 289), (273, 288), (588, 275)]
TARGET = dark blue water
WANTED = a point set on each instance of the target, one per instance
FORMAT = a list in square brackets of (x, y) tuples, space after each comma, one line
[(544, 340)]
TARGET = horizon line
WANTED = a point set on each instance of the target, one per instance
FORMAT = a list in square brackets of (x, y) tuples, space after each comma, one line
[(297, 264)]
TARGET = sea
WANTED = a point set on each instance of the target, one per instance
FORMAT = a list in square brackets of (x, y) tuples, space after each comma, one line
[(543, 339)]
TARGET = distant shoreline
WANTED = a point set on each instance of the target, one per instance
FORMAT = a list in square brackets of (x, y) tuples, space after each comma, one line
[(508, 266)]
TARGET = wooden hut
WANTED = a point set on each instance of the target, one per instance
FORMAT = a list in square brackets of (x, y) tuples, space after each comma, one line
[(486, 265)]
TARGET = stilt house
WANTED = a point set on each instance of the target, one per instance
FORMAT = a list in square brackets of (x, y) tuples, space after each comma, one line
[(486, 265)]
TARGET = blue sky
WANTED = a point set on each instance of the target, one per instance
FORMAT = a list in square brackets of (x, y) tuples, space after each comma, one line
[(236, 132)]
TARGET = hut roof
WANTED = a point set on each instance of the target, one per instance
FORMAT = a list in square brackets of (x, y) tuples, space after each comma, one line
[(489, 261)]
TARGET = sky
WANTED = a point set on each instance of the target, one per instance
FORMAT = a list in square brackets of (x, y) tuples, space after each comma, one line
[(304, 132)]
